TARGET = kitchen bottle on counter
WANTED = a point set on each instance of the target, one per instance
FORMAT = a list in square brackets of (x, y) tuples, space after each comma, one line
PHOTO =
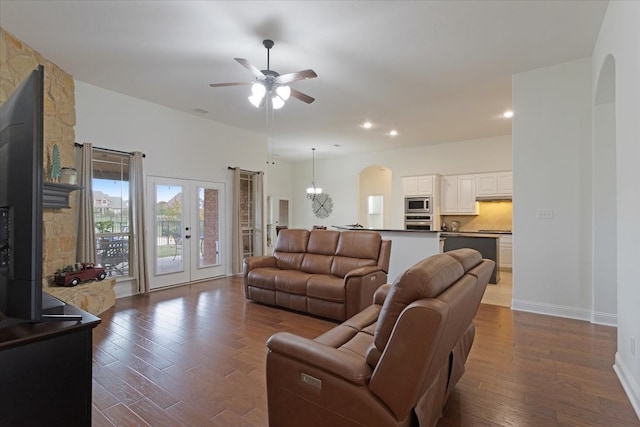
[(443, 227)]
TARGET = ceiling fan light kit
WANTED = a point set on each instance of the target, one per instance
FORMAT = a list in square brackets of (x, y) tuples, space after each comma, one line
[(272, 83)]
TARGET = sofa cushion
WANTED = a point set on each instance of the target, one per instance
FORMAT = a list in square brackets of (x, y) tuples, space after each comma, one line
[(426, 279), (356, 249), (292, 240), (364, 320), (326, 287), (264, 278), (290, 248), (292, 281), (323, 242), (317, 264), (359, 244)]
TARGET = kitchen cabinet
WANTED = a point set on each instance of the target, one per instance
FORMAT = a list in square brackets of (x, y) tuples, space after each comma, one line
[(506, 252), (459, 195), (418, 185), (498, 184)]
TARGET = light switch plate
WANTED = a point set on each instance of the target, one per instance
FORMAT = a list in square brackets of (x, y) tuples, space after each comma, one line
[(544, 213)]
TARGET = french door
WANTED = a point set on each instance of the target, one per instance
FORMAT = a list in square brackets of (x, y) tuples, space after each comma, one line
[(187, 238)]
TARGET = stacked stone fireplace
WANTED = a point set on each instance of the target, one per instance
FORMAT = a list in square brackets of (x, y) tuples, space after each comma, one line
[(59, 225)]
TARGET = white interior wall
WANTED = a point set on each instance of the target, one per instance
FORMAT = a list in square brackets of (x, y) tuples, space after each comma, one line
[(176, 144), (604, 215), (551, 165), (620, 37), (338, 176)]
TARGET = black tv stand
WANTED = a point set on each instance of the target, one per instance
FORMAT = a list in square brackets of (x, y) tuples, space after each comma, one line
[(37, 361)]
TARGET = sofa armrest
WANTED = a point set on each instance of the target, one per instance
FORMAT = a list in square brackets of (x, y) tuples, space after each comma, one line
[(351, 368), (250, 263), (360, 285), (363, 271)]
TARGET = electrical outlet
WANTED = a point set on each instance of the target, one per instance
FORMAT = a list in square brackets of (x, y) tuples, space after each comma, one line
[(544, 213), (632, 346)]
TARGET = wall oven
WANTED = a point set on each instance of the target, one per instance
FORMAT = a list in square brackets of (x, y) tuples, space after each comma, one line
[(417, 205), (418, 222)]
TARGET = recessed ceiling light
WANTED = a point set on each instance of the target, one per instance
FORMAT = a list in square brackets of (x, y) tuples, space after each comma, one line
[(507, 114), (337, 145), (200, 110), (367, 125), (393, 132)]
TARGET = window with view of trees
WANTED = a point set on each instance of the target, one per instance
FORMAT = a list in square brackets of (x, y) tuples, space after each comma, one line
[(111, 213)]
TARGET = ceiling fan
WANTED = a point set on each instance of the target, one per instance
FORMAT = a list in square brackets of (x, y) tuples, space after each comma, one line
[(272, 83)]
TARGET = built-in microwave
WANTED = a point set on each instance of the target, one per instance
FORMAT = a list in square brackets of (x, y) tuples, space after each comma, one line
[(417, 205)]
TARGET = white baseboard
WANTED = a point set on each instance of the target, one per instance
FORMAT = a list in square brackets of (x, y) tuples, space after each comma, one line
[(551, 309), (607, 319), (629, 385), (598, 318)]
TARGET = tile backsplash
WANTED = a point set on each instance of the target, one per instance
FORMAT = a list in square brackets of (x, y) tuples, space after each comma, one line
[(494, 215)]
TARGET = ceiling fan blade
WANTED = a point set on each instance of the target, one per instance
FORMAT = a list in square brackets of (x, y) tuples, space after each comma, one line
[(292, 77), (229, 84), (302, 96), (249, 66)]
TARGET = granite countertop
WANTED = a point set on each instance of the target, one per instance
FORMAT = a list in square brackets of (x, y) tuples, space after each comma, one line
[(350, 227), (470, 234), (467, 233)]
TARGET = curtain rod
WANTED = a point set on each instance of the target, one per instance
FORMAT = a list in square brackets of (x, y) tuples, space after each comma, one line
[(231, 168), (77, 144)]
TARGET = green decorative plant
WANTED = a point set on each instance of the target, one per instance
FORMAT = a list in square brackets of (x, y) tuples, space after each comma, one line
[(56, 171)]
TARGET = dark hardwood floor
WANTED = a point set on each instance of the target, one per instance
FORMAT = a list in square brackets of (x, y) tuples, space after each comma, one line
[(195, 356)]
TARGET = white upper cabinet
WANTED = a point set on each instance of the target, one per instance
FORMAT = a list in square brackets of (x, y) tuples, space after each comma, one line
[(459, 195), (494, 184), (505, 183), (418, 185)]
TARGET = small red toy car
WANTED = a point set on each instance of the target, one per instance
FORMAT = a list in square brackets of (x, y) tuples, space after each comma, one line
[(83, 272)]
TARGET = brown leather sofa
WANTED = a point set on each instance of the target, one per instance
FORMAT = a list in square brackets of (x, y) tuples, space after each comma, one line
[(393, 364), (327, 273)]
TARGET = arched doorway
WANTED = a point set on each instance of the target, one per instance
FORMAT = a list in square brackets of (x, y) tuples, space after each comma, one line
[(605, 201)]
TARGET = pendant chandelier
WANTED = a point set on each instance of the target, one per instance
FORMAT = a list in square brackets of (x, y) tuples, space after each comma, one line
[(313, 191)]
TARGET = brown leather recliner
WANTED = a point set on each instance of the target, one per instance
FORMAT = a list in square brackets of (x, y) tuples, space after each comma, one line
[(393, 364)]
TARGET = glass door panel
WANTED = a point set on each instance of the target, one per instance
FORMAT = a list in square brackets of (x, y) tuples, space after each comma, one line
[(169, 225), (209, 234)]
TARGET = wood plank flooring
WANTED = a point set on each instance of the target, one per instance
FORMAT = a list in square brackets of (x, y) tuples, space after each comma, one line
[(195, 356)]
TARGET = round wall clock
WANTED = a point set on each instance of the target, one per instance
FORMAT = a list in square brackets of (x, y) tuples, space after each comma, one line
[(322, 205)]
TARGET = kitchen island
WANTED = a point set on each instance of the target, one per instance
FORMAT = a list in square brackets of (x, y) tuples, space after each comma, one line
[(408, 247), (488, 244)]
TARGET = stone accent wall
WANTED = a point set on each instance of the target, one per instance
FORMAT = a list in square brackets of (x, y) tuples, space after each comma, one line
[(17, 60)]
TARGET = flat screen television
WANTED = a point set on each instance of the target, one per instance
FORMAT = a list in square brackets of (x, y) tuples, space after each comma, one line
[(21, 197)]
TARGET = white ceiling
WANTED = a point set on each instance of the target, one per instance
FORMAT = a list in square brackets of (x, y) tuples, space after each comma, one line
[(437, 71)]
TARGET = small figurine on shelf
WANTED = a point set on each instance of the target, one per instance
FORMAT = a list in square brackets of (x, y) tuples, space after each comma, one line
[(71, 275), (56, 171)]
